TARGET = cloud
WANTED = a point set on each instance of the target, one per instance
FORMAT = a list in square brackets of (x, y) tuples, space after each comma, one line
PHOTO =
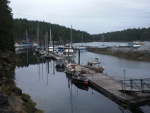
[(93, 16)]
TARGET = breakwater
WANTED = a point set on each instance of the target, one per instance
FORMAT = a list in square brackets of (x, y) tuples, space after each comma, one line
[(127, 53)]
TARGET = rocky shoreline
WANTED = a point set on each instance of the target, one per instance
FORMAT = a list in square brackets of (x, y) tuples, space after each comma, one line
[(12, 100), (126, 53)]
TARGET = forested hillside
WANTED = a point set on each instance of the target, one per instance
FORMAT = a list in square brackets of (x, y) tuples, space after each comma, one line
[(21, 25), (142, 34), (6, 27)]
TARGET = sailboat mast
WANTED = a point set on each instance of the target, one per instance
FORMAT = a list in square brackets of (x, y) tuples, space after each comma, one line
[(26, 35), (71, 35), (82, 39), (50, 38), (38, 34)]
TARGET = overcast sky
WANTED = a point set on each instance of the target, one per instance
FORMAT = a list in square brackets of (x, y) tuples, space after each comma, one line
[(92, 16)]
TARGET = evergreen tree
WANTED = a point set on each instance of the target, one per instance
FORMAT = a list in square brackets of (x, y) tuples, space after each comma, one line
[(6, 26)]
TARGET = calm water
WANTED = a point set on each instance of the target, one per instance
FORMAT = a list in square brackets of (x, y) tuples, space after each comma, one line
[(53, 91)]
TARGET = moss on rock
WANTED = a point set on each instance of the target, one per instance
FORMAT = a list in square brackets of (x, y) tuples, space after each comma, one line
[(18, 102)]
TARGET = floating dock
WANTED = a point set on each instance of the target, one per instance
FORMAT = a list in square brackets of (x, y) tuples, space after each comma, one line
[(115, 90), (127, 93)]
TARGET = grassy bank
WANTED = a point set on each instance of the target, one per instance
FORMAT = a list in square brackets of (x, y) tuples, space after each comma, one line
[(123, 53), (12, 100)]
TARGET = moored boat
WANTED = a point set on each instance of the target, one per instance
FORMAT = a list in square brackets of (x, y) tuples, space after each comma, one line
[(80, 79), (95, 65), (68, 51), (75, 72), (80, 47), (17, 45)]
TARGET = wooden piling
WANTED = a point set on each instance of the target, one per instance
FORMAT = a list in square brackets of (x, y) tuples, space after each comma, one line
[(79, 57)]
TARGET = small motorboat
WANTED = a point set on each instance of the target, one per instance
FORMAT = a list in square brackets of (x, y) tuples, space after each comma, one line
[(80, 79), (76, 72), (95, 65)]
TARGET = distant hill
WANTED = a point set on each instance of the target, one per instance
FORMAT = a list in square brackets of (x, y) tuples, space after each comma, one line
[(21, 25), (142, 34)]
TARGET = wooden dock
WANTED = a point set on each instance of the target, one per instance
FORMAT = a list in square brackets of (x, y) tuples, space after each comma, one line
[(112, 88)]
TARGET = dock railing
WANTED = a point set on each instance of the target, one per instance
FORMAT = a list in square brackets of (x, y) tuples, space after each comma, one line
[(136, 85)]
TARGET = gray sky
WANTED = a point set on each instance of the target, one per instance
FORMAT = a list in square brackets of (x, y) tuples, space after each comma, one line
[(92, 16)]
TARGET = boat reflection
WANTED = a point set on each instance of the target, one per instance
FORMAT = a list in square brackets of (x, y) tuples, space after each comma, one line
[(78, 85), (60, 69), (81, 86)]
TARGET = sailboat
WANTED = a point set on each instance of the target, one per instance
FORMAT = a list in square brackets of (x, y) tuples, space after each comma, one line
[(51, 47), (103, 39), (26, 42), (68, 49), (60, 48)]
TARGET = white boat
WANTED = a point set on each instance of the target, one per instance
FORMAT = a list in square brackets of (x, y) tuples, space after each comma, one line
[(95, 65), (34, 45), (123, 45), (59, 50), (68, 51), (134, 45), (80, 47), (17, 45), (51, 47)]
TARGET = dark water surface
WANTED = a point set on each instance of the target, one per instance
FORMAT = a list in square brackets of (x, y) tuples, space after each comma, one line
[(53, 91)]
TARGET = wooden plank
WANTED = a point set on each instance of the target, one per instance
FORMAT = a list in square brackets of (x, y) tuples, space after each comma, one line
[(113, 87)]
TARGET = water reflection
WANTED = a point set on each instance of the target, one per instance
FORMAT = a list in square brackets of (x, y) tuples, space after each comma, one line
[(51, 88), (27, 58), (77, 85)]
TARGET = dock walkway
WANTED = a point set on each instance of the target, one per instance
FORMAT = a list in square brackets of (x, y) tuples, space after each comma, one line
[(113, 88)]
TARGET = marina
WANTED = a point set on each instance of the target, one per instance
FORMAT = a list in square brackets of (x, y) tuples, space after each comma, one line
[(74, 58), (103, 87)]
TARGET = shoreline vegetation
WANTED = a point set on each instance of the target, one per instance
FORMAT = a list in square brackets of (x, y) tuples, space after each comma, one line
[(126, 53), (12, 100)]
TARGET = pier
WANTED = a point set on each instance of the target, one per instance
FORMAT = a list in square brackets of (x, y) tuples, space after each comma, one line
[(117, 90), (127, 93)]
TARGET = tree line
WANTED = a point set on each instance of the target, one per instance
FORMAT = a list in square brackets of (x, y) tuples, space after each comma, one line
[(21, 25), (15, 29), (140, 34), (58, 32), (6, 27)]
